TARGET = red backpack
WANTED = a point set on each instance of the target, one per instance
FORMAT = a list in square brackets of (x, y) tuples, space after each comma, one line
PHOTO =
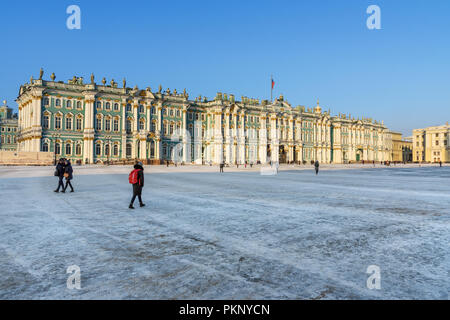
[(133, 177)]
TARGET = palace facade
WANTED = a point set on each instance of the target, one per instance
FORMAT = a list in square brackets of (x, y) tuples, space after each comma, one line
[(94, 123), (8, 128), (431, 144)]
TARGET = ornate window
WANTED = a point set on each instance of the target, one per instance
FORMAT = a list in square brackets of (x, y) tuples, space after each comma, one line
[(141, 108), (128, 107), (116, 125), (116, 107), (78, 104), (153, 110), (69, 104), (79, 124), (46, 122), (108, 106), (108, 124), (98, 124), (164, 111), (128, 126), (98, 149), (45, 147), (99, 105), (153, 126), (68, 149), (128, 151), (78, 149), (107, 150), (58, 103), (69, 122), (57, 148), (116, 150), (58, 122), (46, 101), (142, 124)]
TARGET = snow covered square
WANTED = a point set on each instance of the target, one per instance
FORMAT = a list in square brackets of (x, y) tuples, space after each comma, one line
[(233, 235)]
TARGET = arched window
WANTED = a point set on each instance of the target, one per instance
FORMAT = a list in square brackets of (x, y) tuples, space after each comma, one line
[(46, 122), (45, 147), (98, 149), (68, 123), (116, 107), (116, 124), (58, 122), (165, 111), (108, 124), (128, 150), (128, 126), (79, 124), (58, 103), (141, 108), (171, 129), (69, 104), (152, 149), (116, 150), (153, 126), (153, 110), (171, 112), (46, 102), (178, 113), (107, 150), (9, 139), (128, 107), (142, 124), (99, 105), (98, 124), (108, 106), (78, 149), (57, 148), (78, 104), (68, 149)]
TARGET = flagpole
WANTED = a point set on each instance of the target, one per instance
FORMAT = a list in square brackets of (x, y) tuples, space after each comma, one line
[(271, 88)]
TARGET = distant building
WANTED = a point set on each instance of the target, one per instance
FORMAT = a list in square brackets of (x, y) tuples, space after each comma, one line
[(94, 123), (401, 148), (8, 128), (431, 144)]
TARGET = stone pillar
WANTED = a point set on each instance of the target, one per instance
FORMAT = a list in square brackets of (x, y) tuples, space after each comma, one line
[(89, 132), (186, 138)]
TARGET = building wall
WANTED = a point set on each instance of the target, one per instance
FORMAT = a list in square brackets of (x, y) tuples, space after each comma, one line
[(431, 144), (97, 123), (8, 129)]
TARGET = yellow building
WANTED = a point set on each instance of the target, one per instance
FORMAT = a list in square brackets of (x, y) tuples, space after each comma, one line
[(431, 144), (401, 148)]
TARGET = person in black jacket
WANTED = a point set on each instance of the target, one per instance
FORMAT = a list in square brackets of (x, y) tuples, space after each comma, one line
[(60, 174), (316, 166), (137, 187), (69, 175)]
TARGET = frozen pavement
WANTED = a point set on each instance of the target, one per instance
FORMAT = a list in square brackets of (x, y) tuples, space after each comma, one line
[(237, 235)]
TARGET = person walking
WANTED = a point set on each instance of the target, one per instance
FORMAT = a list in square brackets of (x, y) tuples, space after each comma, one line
[(136, 178), (316, 166), (59, 172), (440, 164), (68, 174), (221, 167)]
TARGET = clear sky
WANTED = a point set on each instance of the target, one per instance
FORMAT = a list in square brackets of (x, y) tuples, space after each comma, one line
[(314, 49)]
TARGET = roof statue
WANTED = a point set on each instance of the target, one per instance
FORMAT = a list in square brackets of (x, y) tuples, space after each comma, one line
[(41, 74), (31, 80), (124, 83), (53, 77), (92, 78), (104, 81), (160, 89)]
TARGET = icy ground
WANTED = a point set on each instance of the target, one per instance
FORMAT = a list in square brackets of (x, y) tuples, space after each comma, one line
[(237, 235)]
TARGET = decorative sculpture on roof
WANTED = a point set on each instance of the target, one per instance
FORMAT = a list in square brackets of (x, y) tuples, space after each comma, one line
[(92, 78), (104, 81), (53, 77), (124, 81), (41, 74), (160, 89)]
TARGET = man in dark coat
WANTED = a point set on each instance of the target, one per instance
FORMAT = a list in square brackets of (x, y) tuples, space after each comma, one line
[(60, 169), (69, 175), (316, 166), (221, 166), (137, 187)]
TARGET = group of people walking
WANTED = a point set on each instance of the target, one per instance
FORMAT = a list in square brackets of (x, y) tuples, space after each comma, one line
[(64, 170)]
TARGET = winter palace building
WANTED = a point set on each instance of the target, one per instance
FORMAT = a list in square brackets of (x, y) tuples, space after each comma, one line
[(8, 128), (94, 123)]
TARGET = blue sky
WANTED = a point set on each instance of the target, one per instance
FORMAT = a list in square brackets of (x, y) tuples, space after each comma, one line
[(314, 49)]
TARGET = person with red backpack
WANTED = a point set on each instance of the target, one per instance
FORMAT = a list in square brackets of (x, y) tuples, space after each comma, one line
[(136, 178)]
